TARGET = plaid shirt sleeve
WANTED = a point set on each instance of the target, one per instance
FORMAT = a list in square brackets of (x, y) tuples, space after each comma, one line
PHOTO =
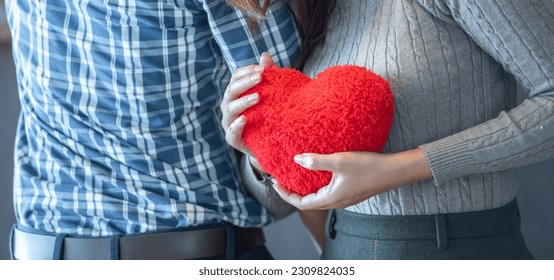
[(242, 46), (119, 128)]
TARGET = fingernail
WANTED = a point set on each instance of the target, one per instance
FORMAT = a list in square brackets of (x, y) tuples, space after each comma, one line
[(253, 98), (258, 68), (255, 77), (241, 119), (301, 159)]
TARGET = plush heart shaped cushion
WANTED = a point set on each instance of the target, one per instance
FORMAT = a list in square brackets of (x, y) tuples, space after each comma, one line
[(345, 108)]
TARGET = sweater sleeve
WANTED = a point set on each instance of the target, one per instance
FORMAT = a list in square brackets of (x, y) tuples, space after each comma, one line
[(520, 36), (262, 190)]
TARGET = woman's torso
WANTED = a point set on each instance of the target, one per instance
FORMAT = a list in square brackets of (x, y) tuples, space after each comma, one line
[(443, 83)]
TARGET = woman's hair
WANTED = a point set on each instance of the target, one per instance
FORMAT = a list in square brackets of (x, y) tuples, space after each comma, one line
[(311, 17)]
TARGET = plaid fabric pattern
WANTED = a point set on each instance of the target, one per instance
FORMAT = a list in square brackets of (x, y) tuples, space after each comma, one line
[(119, 130)]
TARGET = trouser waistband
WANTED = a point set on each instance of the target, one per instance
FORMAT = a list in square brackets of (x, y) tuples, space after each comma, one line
[(496, 221)]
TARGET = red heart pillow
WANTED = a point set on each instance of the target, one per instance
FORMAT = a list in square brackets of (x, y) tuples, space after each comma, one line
[(345, 108)]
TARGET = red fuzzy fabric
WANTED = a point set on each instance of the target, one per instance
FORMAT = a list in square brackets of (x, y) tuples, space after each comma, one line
[(345, 108)]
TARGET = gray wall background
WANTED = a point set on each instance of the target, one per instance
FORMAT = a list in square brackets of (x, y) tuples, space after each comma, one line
[(288, 238)]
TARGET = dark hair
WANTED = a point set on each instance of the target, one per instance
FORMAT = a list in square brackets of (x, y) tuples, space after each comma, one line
[(311, 17)]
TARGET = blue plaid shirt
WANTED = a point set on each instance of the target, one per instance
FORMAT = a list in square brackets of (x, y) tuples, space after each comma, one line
[(120, 130)]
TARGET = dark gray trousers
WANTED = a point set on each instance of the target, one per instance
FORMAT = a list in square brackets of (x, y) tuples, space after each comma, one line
[(489, 234)]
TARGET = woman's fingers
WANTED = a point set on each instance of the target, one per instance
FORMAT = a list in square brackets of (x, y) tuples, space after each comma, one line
[(327, 162), (238, 87), (232, 109), (243, 79), (266, 60), (234, 133), (235, 107), (245, 71), (231, 105)]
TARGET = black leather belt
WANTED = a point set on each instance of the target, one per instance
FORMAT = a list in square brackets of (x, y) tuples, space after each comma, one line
[(189, 244)]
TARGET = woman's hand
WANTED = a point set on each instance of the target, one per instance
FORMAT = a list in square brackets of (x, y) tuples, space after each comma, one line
[(357, 176), (232, 106)]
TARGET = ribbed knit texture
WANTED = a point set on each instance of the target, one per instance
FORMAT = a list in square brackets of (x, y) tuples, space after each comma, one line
[(451, 66)]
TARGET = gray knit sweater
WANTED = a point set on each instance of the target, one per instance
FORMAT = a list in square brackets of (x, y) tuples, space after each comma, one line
[(453, 67)]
